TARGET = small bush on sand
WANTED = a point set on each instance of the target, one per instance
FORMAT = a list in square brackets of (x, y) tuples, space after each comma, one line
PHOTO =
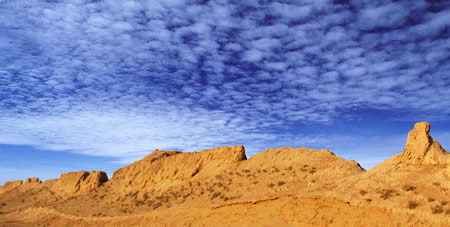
[(362, 192), (139, 203), (215, 195), (386, 194), (437, 209), (157, 205), (412, 204), (409, 188)]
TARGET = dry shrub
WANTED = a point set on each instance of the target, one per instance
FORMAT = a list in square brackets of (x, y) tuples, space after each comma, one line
[(443, 203), (431, 200), (157, 205), (386, 194), (437, 209), (436, 184), (139, 203), (362, 192), (409, 188), (133, 195), (412, 204), (270, 185), (312, 171), (281, 183), (215, 195)]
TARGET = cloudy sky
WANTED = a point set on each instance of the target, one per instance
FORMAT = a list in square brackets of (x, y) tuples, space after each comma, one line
[(99, 84)]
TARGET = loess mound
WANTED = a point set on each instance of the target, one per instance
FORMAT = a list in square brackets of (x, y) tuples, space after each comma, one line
[(416, 179), (174, 165), (80, 182), (220, 187), (327, 164)]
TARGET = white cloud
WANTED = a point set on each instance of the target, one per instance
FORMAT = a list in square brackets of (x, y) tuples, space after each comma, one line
[(253, 55), (121, 134)]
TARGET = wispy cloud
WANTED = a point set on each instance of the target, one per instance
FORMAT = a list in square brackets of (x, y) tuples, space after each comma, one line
[(129, 134), (120, 78)]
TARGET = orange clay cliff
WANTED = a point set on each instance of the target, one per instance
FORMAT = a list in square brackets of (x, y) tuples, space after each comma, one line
[(220, 187)]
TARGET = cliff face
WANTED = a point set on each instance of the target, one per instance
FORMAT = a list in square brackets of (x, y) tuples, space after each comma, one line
[(422, 149), (80, 182)]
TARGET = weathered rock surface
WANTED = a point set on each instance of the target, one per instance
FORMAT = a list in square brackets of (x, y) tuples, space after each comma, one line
[(32, 180), (174, 165), (80, 182), (10, 185), (422, 149)]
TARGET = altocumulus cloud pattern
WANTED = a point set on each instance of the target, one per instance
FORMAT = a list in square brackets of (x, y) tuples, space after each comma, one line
[(118, 78)]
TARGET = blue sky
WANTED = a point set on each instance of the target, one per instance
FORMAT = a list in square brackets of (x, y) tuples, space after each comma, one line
[(99, 84)]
